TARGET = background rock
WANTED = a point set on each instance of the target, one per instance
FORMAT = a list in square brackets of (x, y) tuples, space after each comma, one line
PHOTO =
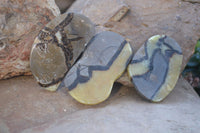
[(20, 22), (175, 18)]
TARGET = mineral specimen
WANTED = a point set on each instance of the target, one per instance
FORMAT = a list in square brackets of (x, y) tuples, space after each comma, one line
[(58, 46), (91, 79), (155, 67)]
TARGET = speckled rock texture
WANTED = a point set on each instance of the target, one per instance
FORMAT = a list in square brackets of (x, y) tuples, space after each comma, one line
[(20, 22)]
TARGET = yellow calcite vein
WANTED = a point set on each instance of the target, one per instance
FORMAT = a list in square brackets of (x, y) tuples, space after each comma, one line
[(138, 68), (52, 87), (142, 67)]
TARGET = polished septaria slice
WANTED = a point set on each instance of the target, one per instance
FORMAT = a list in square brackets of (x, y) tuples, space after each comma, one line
[(155, 67), (57, 47), (91, 79)]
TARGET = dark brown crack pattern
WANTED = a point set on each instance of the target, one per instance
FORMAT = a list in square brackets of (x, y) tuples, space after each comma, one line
[(66, 42)]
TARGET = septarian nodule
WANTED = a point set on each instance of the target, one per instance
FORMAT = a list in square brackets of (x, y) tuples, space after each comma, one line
[(91, 79), (57, 47), (155, 68)]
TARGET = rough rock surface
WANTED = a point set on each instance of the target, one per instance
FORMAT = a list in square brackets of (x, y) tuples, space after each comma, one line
[(26, 108), (175, 18), (20, 22)]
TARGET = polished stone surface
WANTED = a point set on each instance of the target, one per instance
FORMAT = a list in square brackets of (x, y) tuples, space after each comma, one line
[(155, 68), (58, 45), (91, 79)]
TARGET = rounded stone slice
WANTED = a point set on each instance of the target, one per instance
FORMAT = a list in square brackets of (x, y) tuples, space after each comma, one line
[(155, 67), (57, 47), (91, 79)]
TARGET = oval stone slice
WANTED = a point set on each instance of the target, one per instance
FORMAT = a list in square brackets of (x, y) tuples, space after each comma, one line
[(91, 79), (57, 47), (155, 67)]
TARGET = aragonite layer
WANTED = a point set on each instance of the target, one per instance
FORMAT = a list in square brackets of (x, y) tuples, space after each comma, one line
[(155, 68), (57, 47), (91, 79)]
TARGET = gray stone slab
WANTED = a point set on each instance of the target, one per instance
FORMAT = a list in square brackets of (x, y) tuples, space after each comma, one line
[(127, 112), (25, 107)]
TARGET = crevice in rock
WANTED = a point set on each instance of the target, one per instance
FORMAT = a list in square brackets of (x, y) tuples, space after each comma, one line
[(192, 1)]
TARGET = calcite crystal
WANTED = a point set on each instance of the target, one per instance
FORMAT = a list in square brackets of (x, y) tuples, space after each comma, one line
[(91, 79), (155, 67), (57, 47)]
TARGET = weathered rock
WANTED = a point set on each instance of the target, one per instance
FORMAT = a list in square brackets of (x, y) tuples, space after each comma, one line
[(20, 22), (91, 79), (145, 18), (57, 47), (155, 68)]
